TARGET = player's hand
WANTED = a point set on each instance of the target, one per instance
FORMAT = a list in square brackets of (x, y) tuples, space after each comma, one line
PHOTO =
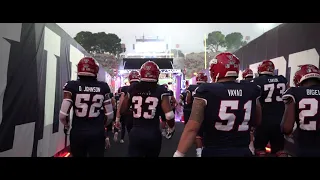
[(117, 124), (170, 132), (66, 129)]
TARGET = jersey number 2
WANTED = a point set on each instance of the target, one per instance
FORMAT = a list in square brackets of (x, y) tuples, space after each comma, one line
[(311, 112), (82, 106), (137, 101), (230, 117)]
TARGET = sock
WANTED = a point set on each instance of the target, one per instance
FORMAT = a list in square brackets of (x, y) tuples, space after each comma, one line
[(199, 151)]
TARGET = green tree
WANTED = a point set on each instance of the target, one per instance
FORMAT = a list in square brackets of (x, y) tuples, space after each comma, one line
[(86, 39), (177, 53), (215, 40), (234, 41), (99, 42)]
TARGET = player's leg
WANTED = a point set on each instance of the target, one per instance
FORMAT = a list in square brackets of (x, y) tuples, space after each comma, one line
[(226, 152), (163, 125), (155, 146), (277, 141), (123, 128), (136, 146), (115, 130), (96, 146), (77, 145), (199, 144), (186, 115), (129, 123), (108, 135), (261, 140)]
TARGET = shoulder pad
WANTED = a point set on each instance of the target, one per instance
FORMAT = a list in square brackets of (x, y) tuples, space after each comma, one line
[(205, 87)]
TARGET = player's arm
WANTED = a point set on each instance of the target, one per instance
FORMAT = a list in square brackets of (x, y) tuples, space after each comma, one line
[(125, 104), (118, 114), (113, 102), (191, 129), (189, 97), (258, 118), (66, 103), (258, 113), (65, 108), (288, 118), (108, 110), (167, 109), (174, 101)]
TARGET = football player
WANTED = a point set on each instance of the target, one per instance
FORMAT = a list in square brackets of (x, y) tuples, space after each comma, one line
[(200, 78), (126, 119), (110, 128), (227, 109), (301, 107), (86, 95), (173, 104), (272, 89), (247, 74), (147, 99)]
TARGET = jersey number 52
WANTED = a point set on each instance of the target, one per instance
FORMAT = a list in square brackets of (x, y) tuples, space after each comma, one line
[(82, 106), (137, 102)]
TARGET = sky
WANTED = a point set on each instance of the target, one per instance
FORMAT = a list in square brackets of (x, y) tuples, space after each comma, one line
[(189, 36)]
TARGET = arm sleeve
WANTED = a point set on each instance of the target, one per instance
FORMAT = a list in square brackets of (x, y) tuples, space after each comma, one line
[(202, 92), (289, 95)]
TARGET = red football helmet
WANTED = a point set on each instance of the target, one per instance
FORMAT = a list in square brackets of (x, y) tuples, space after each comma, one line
[(149, 72), (247, 73), (304, 72), (266, 67), (224, 65), (134, 76), (201, 78), (87, 67)]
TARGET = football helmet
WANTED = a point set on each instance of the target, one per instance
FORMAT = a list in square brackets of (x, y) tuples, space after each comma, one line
[(134, 76), (87, 67), (304, 72), (266, 67), (201, 78), (149, 72), (247, 73), (224, 65)]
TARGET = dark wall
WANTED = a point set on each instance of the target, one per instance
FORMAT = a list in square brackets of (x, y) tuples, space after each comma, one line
[(287, 45), (36, 60)]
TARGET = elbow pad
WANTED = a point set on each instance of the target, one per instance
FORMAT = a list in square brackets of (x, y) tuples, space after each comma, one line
[(65, 106), (169, 115), (108, 109)]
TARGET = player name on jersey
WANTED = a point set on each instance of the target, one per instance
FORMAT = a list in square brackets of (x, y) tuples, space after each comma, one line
[(90, 89), (144, 93), (275, 80), (235, 92), (313, 92)]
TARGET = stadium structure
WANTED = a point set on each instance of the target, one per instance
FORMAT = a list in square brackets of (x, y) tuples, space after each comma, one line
[(151, 49)]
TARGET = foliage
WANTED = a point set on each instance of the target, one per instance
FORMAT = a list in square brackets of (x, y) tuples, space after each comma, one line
[(177, 53), (234, 41), (99, 42), (108, 61), (215, 40)]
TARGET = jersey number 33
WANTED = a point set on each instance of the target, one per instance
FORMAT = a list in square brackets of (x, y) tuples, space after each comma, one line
[(139, 112)]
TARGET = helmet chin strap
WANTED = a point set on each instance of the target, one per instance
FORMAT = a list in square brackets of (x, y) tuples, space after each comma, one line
[(217, 77)]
